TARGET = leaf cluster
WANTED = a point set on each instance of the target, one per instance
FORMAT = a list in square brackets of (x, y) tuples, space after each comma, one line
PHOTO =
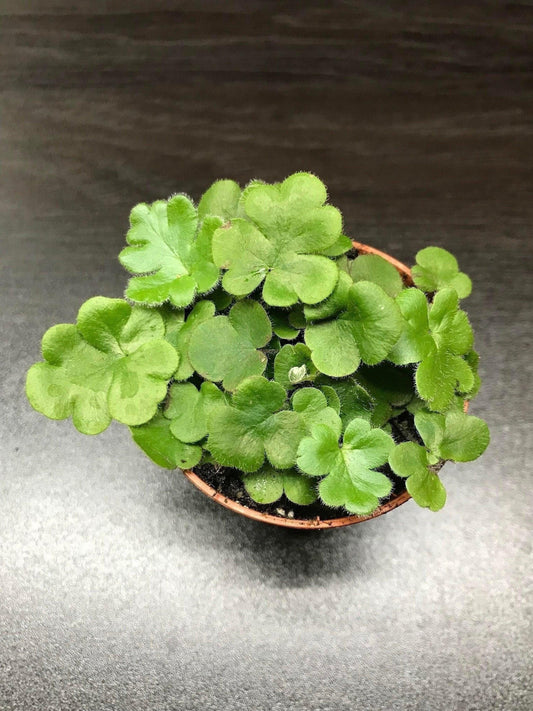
[(253, 336)]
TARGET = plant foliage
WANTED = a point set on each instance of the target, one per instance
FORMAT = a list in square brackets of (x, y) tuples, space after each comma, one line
[(252, 336)]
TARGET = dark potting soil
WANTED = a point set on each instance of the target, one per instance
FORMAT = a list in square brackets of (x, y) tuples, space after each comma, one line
[(227, 481)]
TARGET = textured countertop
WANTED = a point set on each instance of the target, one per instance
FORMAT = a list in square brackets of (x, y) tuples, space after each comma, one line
[(121, 586)]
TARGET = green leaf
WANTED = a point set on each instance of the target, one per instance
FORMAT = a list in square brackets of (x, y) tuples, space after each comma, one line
[(354, 400), (449, 326), (220, 298), (313, 407), (342, 245), (293, 365), (472, 358), (157, 441), (443, 371), (281, 325), (387, 383), (298, 488), (268, 485), (415, 342), (332, 398), (189, 409), (289, 226), (220, 200), (366, 331), (465, 437), (334, 303), (179, 332), (455, 435), (253, 425), (297, 318), (224, 348), (410, 460), (372, 267), (439, 375), (113, 364), (430, 426), (164, 250), (437, 269), (351, 480)]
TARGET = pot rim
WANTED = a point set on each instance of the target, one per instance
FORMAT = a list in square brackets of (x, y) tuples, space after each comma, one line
[(316, 523)]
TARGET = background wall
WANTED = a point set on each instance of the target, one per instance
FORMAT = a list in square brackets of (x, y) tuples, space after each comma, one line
[(121, 586)]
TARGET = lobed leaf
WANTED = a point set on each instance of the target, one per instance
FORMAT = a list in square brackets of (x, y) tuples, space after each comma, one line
[(372, 267), (156, 440), (312, 406), (225, 348), (174, 263), (443, 370), (281, 325), (268, 485), (113, 364), (293, 365), (350, 477), (220, 200), (289, 227), (455, 435), (179, 330), (189, 409), (410, 460), (334, 304), (437, 269), (366, 331), (415, 342), (255, 425)]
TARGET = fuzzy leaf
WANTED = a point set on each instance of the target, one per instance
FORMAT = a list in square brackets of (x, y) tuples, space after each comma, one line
[(351, 480), (372, 267), (293, 365), (437, 269), (410, 460), (335, 303), (354, 400), (157, 441), (338, 248), (179, 332), (291, 225), (472, 358), (268, 485), (253, 425), (189, 408), (221, 200), (415, 342), (366, 331), (443, 370), (332, 397), (113, 364), (313, 407), (430, 426), (465, 437), (439, 375), (449, 325), (164, 250), (224, 348), (455, 435), (281, 325), (387, 383)]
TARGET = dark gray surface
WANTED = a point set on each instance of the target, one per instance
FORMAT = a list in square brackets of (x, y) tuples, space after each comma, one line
[(121, 586)]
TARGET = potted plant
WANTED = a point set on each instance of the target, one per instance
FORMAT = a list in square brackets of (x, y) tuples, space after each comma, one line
[(295, 376)]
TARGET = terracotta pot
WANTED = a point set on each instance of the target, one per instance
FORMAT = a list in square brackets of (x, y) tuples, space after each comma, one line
[(308, 524)]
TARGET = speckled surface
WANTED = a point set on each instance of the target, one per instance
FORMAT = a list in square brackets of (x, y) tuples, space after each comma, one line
[(121, 586)]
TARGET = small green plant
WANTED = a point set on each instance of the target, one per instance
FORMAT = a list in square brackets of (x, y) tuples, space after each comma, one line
[(253, 336)]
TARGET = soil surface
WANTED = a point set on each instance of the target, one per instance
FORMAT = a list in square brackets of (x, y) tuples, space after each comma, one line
[(227, 481)]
